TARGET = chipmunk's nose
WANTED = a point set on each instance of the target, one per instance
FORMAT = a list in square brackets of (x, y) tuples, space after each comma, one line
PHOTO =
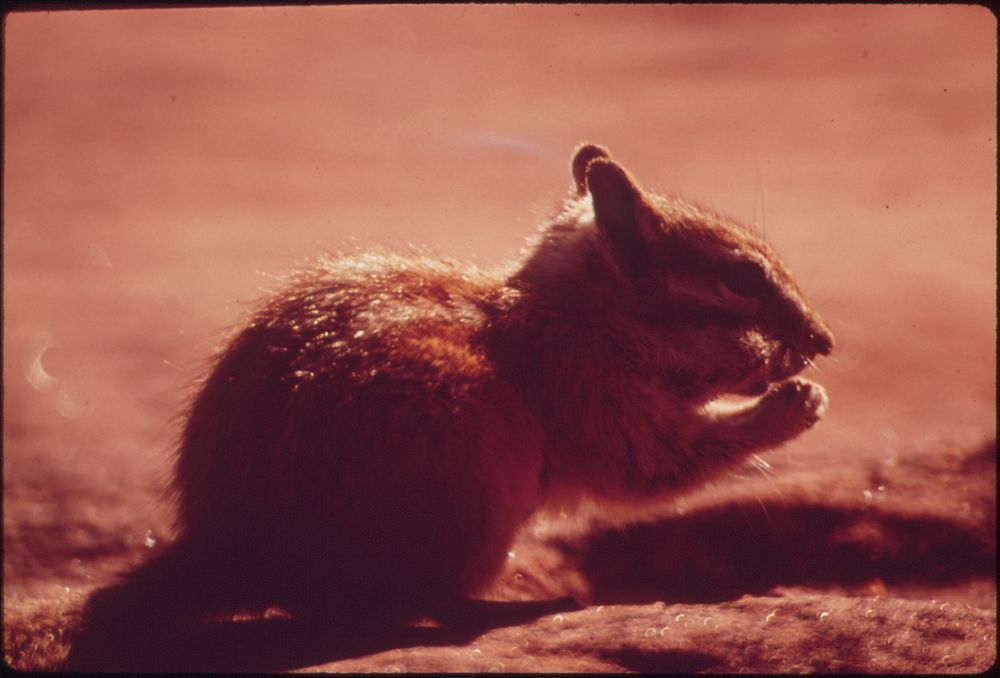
[(820, 338)]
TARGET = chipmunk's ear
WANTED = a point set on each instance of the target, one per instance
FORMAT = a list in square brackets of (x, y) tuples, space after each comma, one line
[(582, 157), (621, 209)]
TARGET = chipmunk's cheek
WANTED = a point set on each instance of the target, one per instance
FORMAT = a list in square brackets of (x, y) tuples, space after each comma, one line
[(760, 357), (756, 379)]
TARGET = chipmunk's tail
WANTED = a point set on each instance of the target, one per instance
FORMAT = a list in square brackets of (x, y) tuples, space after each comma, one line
[(133, 624)]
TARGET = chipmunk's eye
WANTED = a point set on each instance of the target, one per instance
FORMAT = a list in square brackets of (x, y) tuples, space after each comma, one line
[(746, 279)]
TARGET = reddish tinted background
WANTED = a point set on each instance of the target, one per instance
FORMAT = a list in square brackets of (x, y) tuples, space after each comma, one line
[(161, 164)]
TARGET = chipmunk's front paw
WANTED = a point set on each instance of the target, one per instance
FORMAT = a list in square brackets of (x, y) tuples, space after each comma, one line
[(794, 404)]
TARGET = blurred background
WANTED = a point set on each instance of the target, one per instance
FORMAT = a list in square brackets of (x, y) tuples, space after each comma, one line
[(162, 166)]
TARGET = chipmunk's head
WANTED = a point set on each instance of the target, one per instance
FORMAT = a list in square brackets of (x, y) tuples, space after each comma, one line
[(722, 309)]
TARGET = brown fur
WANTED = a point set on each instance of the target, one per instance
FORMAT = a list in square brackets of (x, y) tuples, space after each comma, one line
[(380, 428)]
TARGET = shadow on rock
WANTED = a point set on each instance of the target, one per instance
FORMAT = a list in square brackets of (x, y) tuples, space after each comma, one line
[(280, 644), (723, 552)]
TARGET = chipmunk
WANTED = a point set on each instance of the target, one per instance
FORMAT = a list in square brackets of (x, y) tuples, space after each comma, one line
[(377, 432)]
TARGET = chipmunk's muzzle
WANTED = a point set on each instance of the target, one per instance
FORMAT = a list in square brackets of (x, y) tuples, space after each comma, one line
[(819, 339), (784, 360)]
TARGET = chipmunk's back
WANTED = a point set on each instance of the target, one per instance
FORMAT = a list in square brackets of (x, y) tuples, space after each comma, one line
[(360, 396)]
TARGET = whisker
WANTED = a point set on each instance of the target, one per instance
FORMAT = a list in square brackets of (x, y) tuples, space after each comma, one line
[(813, 365), (759, 191), (762, 466), (767, 515)]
